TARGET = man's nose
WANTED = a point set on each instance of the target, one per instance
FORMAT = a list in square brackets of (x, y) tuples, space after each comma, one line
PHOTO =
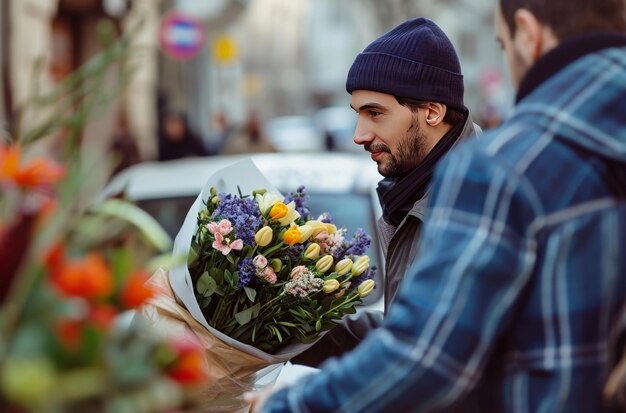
[(362, 134)]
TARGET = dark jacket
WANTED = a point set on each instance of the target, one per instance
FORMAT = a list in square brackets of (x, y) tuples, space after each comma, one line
[(399, 245)]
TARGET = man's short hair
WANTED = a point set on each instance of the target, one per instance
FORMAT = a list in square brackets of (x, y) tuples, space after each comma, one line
[(569, 18), (452, 117)]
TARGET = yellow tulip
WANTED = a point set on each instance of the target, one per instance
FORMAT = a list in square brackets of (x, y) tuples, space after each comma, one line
[(330, 286), (330, 228), (312, 251), (344, 266), (264, 236), (324, 263), (292, 235), (318, 226), (360, 265), (366, 288), (305, 232)]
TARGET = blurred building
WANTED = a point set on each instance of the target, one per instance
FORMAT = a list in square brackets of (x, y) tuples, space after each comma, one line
[(45, 40)]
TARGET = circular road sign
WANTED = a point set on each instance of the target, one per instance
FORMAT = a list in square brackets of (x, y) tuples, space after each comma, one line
[(181, 37)]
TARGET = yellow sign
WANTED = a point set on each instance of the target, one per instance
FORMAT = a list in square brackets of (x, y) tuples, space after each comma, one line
[(225, 49)]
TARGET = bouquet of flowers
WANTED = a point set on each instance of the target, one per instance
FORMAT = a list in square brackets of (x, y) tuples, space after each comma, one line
[(263, 280), (70, 268)]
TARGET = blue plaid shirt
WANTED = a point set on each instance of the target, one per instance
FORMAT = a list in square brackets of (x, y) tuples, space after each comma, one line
[(522, 268)]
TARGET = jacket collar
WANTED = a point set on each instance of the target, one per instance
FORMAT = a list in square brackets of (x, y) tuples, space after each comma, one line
[(565, 53)]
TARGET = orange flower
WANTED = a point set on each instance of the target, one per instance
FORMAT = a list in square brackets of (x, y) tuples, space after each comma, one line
[(39, 172), (292, 235), (89, 277), (279, 210), (9, 162), (136, 291), (189, 367)]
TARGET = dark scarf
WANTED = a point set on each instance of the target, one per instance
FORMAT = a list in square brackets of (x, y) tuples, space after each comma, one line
[(565, 53), (398, 195)]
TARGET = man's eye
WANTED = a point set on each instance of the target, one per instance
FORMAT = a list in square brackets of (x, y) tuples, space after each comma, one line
[(375, 114)]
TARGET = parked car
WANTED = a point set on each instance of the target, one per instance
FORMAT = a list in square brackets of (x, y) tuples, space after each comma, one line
[(340, 183), (294, 134), (338, 123)]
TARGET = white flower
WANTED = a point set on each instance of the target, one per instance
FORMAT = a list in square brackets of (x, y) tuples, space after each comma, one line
[(267, 200)]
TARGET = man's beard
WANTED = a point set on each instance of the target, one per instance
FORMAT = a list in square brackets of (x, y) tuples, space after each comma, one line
[(411, 152)]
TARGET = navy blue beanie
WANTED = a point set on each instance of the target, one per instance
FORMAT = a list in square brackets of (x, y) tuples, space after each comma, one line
[(414, 60)]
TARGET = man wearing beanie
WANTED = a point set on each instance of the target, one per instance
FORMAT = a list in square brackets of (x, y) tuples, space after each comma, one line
[(518, 300), (407, 89)]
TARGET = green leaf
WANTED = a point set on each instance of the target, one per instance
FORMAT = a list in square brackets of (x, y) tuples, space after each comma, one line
[(243, 317), (205, 302), (206, 285), (318, 325), (217, 274), (194, 251), (285, 323), (149, 227), (228, 277), (231, 259), (250, 292)]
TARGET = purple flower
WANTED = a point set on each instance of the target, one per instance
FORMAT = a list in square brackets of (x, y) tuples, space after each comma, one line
[(327, 218), (247, 270), (243, 213), (359, 243), (300, 198), (367, 275)]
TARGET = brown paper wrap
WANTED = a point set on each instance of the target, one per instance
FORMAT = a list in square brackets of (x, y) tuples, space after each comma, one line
[(231, 371)]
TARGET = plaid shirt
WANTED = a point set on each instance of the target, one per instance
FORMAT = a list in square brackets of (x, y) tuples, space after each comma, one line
[(522, 269)]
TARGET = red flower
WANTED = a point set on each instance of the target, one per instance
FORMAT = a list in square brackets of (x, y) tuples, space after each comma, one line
[(89, 277), (102, 316), (136, 291), (189, 367), (69, 333)]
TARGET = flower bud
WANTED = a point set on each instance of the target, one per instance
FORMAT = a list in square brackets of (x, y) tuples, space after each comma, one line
[(312, 252), (343, 266), (360, 265), (305, 232), (366, 288), (213, 191), (215, 200), (324, 263), (330, 286), (276, 264), (263, 236)]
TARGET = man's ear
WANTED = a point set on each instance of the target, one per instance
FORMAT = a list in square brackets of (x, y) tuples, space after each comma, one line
[(528, 37), (435, 112)]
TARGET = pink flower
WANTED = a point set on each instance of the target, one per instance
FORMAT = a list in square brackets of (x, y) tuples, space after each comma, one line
[(298, 271), (260, 261), (223, 227), (269, 275), (224, 245)]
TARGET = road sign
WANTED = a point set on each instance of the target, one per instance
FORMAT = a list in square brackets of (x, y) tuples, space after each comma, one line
[(181, 37)]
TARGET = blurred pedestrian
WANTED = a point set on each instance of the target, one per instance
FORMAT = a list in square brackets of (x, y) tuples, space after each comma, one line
[(123, 145), (522, 272), (248, 139), (176, 139), (407, 89)]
